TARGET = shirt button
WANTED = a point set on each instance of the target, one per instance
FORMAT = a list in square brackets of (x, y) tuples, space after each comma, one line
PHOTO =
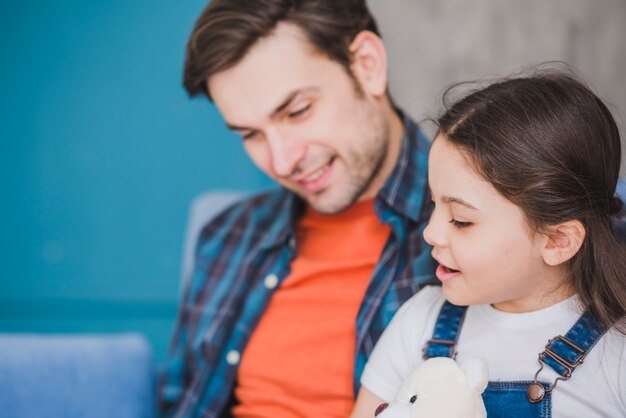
[(233, 357), (271, 281)]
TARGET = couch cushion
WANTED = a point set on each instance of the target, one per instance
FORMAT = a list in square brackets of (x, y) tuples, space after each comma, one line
[(76, 376)]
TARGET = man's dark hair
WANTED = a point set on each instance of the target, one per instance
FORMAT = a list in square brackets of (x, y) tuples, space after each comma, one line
[(548, 144), (227, 29)]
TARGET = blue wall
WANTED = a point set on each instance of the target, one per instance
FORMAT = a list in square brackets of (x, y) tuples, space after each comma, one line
[(102, 152)]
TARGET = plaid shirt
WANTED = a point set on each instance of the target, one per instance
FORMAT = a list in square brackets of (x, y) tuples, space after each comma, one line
[(244, 254)]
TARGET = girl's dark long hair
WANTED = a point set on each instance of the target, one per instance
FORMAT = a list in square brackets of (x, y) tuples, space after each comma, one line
[(548, 144)]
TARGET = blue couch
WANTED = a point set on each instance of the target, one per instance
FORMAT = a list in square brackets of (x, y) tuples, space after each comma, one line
[(64, 376)]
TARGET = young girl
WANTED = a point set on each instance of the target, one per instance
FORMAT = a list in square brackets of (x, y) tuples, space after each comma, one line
[(523, 176)]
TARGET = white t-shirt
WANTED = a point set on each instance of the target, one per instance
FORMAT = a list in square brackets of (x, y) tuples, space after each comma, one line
[(510, 343)]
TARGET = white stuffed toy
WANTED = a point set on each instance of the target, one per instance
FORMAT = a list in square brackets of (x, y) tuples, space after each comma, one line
[(441, 388)]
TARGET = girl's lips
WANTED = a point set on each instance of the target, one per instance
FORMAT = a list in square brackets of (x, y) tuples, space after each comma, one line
[(444, 274)]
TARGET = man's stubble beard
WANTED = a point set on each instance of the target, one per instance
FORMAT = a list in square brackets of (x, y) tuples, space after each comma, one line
[(364, 169)]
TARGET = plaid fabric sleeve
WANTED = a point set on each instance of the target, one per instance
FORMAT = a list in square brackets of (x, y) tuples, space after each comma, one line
[(181, 363), (220, 301), (175, 374)]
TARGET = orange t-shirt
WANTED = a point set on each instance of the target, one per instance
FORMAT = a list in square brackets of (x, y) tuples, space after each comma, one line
[(300, 358)]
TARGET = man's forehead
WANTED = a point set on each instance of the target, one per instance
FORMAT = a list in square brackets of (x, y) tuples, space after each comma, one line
[(274, 68), (281, 50)]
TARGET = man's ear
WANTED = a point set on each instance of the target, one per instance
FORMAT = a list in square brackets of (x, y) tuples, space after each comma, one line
[(369, 63), (563, 242)]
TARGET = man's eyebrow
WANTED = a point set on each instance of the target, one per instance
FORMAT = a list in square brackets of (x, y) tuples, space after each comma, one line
[(451, 199), (235, 127), (284, 103), (282, 106), (290, 97)]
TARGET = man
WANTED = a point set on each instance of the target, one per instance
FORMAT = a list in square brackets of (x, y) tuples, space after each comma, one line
[(291, 289)]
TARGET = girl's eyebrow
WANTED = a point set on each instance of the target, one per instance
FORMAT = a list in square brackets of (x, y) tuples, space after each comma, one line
[(450, 199)]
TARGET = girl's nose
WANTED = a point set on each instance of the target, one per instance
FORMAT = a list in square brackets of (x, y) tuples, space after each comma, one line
[(433, 233)]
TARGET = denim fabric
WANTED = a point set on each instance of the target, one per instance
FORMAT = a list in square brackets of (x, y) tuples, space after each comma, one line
[(446, 332), (508, 399), (563, 354)]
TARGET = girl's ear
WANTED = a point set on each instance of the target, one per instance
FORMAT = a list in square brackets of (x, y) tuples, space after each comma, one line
[(369, 63), (563, 242)]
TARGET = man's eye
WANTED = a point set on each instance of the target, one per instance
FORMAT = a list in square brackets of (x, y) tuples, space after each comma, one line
[(460, 224), (249, 135), (299, 112)]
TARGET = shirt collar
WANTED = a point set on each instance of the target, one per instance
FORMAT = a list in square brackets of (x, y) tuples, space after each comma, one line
[(405, 191), (287, 210)]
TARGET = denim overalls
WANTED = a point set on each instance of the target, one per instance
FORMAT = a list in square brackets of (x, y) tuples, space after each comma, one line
[(527, 398)]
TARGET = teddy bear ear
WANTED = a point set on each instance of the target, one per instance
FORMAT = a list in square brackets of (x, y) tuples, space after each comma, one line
[(477, 373)]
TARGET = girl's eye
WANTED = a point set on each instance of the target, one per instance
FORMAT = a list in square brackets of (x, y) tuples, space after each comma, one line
[(299, 112), (460, 224), (413, 399)]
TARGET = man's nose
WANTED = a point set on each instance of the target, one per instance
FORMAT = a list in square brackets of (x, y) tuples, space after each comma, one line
[(286, 152)]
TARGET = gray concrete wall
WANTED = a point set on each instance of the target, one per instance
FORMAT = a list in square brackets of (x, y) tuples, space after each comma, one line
[(433, 43)]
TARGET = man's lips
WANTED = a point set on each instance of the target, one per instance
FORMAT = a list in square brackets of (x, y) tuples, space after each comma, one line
[(312, 174), (317, 179)]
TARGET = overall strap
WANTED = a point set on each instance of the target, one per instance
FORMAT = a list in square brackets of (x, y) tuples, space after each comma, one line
[(446, 333), (565, 353)]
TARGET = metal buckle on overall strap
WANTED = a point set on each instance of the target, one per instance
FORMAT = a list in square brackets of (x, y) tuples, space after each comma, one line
[(536, 392)]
